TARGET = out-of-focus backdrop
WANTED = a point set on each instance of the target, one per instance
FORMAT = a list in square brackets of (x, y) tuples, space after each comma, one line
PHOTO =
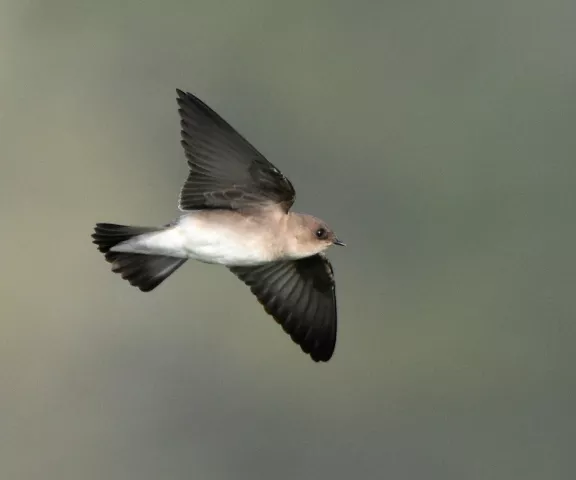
[(437, 138)]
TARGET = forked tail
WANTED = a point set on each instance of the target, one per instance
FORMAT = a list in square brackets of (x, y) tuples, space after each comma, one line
[(142, 270)]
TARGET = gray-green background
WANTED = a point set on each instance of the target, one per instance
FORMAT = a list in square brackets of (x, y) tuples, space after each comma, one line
[(437, 138)]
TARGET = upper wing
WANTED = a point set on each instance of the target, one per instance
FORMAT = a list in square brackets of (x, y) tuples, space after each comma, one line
[(225, 170), (301, 296)]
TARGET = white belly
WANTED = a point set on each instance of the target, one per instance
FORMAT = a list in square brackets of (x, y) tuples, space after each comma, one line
[(221, 244), (207, 242)]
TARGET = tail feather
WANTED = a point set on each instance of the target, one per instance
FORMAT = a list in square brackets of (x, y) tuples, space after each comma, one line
[(143, 271), (108, 235)]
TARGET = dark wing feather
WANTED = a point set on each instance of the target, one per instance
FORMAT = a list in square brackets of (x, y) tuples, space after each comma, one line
[(226, 171), (301, 296)]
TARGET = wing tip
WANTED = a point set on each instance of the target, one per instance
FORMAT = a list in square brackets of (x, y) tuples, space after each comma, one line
[(184, 99), (322, 355), (187, 98), (321, 351)]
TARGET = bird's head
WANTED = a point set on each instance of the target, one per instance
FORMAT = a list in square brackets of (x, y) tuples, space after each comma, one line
[(310, 236)]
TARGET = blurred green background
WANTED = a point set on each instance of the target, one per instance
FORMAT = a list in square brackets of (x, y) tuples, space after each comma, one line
[(437, 138)]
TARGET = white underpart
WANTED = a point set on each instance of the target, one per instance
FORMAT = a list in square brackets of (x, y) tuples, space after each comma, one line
[(192, 238)]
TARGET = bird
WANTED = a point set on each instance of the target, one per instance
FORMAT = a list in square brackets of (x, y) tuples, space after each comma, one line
[(235, 212)]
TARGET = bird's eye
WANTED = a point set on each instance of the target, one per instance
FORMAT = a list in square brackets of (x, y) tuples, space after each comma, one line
[(321, 233)]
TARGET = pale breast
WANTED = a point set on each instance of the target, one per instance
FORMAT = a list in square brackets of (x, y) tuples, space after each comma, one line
[(227, 238)]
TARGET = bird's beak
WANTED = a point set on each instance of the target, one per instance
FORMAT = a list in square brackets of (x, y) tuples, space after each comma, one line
[(339, 242)]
